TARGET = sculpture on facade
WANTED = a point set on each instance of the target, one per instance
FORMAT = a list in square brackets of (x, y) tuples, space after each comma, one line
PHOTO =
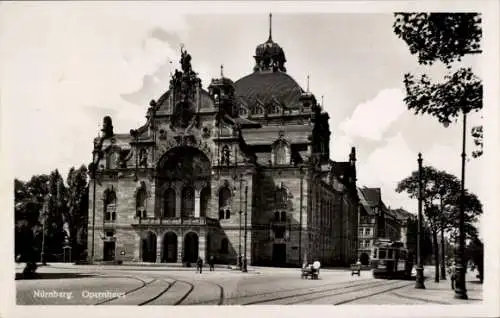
[(107, 127), (143, 158)]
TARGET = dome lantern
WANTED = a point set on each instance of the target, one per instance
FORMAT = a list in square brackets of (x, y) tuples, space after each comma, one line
[(269, 56)]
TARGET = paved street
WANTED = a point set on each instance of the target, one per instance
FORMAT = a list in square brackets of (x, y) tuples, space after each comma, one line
[(65, 284)]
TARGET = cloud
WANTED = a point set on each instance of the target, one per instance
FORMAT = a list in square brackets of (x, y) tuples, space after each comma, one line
[(385, 167), (341, 146), (372, 118), (61, 75), (171, 38)]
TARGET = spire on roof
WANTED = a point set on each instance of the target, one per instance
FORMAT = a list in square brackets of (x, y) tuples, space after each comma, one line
[(270, 27), (308, 83), (221, 70)]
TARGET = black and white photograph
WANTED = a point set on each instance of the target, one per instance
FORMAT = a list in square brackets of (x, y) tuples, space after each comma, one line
[(164, 154)]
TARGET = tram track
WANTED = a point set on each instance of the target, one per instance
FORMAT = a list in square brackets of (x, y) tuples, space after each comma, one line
[(303, 296), (144, 284), (308, 293), (385, 290)]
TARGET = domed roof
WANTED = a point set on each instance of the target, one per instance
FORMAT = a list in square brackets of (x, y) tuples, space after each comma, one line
[(268, 86), (269, 47)]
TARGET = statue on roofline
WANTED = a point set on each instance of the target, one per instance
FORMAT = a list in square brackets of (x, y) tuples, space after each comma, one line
[(185, 61)]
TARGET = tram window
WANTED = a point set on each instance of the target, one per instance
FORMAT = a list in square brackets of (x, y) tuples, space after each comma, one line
[(397, 253), (389, 254), (403, 254), (381, 254), (374, 253)]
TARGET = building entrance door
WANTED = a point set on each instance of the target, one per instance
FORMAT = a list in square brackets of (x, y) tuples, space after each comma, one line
[(191, 248), (109, 251), (279, 254), (170, 248), (149, 248)]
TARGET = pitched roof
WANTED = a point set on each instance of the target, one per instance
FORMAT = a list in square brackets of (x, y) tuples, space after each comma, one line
[(372, 195), (402, 214)]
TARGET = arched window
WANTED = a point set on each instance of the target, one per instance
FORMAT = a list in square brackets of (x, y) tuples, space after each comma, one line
[(109, 205), (283, 217), (258, 110), (187, 206), (281, 198), (275, 109), (280, 154), (112, 160), (243, 111), (276, 216), (226, 155), (140, 201), (204, 201), (224, 246), (224, 202), (169, 203)]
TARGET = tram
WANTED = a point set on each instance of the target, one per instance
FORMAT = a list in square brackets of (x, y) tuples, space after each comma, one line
[(390, 260)]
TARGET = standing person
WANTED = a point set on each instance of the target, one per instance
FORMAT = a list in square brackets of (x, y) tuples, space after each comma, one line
[(199, 264), (453, 275), (211, 263)]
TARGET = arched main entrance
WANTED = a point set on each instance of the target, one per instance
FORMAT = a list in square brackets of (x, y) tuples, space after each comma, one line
[(190, 247), (184, 168), (169, 248), (149, 248)]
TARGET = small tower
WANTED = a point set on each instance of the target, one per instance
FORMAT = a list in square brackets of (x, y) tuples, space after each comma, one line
[(222, 91), (269, 56), (307, 98)]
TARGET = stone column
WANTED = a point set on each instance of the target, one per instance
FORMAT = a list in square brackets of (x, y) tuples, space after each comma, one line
[(197, 203), (202, 245), (159, 246), (137, 250), (180, 246), (178, 199)]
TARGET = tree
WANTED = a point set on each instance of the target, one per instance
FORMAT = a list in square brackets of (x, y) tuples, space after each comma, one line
[(411, 239), (29, 198), (76, 213), (440, 190), (475, 253), (445, 37), (472, 210), (54, 217)]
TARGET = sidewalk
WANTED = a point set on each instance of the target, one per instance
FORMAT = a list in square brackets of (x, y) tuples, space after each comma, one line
[(134, 265), (441, 293)]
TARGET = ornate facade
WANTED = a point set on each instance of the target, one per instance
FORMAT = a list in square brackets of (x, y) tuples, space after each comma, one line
[(241, 168)]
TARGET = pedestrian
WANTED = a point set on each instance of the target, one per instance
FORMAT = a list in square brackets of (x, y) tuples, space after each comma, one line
[(199, 264), (211, 263), (453, 275)]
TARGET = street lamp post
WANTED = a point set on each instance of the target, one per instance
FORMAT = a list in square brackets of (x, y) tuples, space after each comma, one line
[(241, 212), (44, 219), (443, 269), (245, 238), (419, 282), (460, 288), (300, 213), (95, 162)]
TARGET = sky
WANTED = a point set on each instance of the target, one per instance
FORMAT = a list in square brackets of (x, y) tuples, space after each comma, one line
[(64, 66)]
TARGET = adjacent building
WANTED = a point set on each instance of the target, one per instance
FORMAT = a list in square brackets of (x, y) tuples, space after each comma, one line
[(237, 170), (376, 220)]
